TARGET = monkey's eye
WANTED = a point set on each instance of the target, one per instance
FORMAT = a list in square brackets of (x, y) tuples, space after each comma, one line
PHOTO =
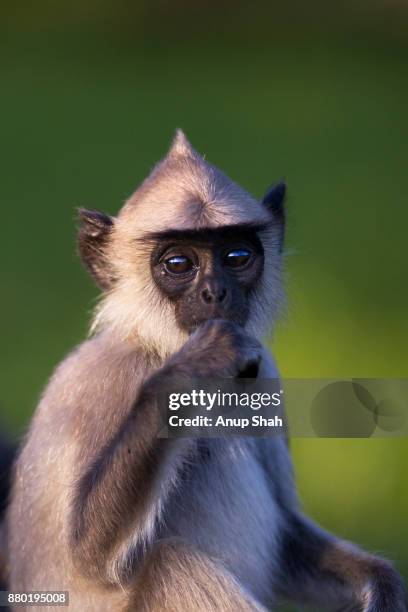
[(237, 258), (178, 264)]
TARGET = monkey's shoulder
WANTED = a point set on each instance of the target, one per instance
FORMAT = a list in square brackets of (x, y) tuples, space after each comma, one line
[(98, 378)]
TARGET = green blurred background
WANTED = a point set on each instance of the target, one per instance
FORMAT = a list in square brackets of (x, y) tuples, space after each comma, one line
[(317, 92)]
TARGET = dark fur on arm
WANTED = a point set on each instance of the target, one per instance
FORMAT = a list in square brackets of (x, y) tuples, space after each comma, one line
[(123, 485), (318, 568)]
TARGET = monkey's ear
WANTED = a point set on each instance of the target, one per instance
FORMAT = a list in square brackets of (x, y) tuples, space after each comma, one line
[(275, 197), (274, 200), (94, 231)]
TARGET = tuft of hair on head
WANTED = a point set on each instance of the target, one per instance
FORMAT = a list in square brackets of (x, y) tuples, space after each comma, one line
[(181, 145)]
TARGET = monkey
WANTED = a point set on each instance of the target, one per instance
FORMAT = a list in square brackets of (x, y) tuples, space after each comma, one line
[(191, 278)]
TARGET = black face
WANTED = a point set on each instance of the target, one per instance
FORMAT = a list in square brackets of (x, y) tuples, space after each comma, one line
[(208, 274)]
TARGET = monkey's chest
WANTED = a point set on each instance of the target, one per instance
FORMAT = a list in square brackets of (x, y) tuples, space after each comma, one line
[(225, 507)]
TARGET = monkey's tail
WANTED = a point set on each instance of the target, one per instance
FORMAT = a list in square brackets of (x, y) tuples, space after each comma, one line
[(8, 453)]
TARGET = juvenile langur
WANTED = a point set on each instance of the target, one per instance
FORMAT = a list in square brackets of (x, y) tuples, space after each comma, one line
[(124, 520)]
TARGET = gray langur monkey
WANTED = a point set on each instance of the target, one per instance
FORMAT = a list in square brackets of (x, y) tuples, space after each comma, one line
[(190, 271)]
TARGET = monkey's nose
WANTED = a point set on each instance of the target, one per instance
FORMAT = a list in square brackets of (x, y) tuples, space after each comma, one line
[(213, 295)]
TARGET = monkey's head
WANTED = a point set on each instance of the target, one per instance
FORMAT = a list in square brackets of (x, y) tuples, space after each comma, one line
[(189, 245)]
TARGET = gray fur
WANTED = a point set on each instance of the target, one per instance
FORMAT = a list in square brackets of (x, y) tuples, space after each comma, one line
[(125, 521)]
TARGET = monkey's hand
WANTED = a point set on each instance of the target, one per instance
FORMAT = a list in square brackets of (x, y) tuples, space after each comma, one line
[(218, 348), (386, 591)]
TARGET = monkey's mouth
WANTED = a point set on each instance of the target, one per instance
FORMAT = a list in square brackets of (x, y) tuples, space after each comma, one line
[(200, 321), (189, 319)]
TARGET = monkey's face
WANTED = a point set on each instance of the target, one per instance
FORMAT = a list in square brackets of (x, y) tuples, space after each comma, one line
[(208, 274), (189, 245)]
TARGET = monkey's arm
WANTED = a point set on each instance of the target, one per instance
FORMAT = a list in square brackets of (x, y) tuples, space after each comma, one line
[(317, 568), (129, 480), (125, 484)]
